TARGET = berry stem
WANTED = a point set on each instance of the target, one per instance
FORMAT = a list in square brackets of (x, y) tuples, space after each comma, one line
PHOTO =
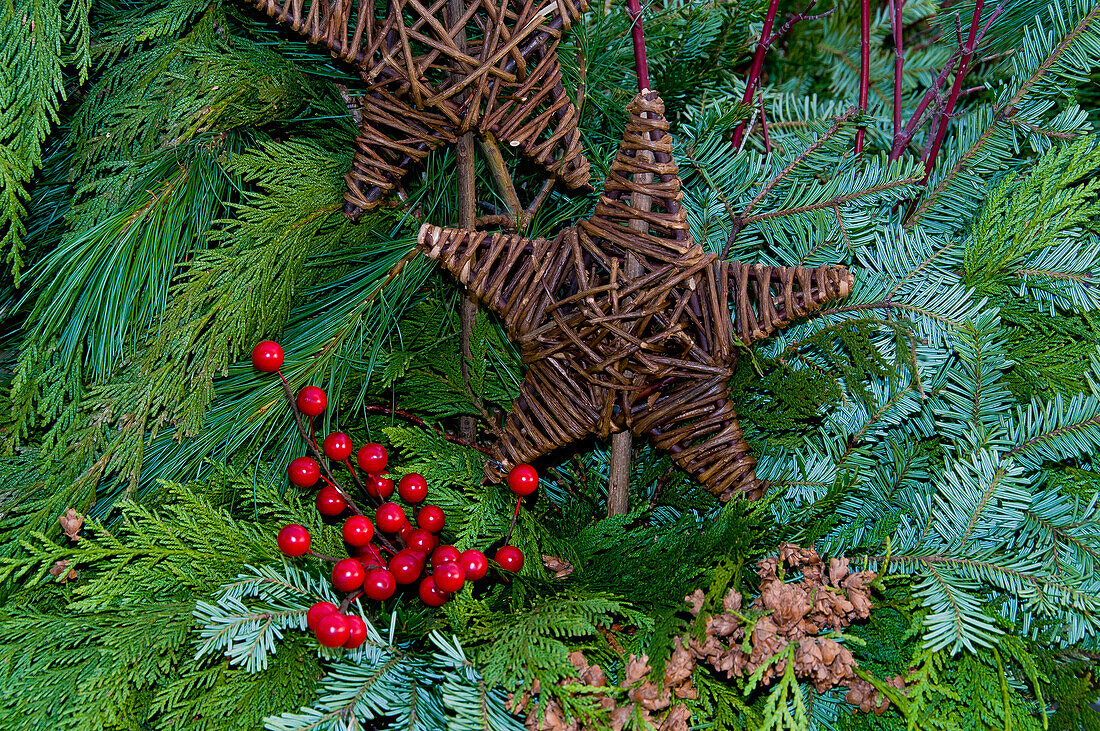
[(359, 483), (308, 437), (414, 419), (322, 556), (348, 600), (515, 516)]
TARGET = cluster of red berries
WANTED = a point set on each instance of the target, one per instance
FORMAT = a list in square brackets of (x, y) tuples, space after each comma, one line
[(416, 554)]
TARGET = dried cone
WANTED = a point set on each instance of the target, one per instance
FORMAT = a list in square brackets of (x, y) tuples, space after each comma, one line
[(71, 523), (829, 597), (654, 704)]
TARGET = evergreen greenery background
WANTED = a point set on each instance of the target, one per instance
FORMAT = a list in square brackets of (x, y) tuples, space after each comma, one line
[(170, 193)]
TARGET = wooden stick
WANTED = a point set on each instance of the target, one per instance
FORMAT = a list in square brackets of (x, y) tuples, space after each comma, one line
[(498, 169), (467, 218)]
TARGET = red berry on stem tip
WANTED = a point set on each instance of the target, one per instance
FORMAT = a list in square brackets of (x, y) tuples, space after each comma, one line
[(523, 480), (379, 486), (445, 554), (358, 530), (337, 446), (379, 585), (372, 458), (448, 576), (293, 540), (389, 517), (267, 356), (420, 539), (413, 488), (430, 594), (312, 401), (510, 558), (317, 611), (357, 632), (333, 630), (431, 518), (406, 567), (474, 563), (304, 471), (330, 502), (348, 574)]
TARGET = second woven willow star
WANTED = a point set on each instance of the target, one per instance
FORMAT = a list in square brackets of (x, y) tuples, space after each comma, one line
[(435, 71), (624, 322)]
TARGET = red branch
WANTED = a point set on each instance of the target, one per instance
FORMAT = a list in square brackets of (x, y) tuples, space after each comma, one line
[(897, 30), (757, 65), (972, 40), (767, 38), (864, 65), (641, 64)]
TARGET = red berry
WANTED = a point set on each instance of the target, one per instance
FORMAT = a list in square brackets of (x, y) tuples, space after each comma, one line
[(379, 585), (347, 575), (333, 630), (337, 445), (431, 518), (474, 563), (430, 594), (317, 611), (406, 567), (510, 558), (293, 540), (267, 356), (445, 554), (312, 401), (448, 576), (406, 530), (357, 632), (379, 486), (330, 502), (372, 458), (390, 517), (304, 471), (358, 530), (413, 488), (421, 539), (523, 480)]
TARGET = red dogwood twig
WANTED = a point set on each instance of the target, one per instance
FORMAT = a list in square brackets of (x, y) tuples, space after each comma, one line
[(757, 65), (896, 8), (864, 65), (641, 64), (973, 39), (767, 38)]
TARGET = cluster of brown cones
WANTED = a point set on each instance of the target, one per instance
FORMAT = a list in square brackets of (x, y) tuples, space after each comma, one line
[(637, 698), (739, 641)]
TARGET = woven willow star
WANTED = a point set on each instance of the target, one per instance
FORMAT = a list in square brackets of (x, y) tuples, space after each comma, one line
[(435, 70), (624, 322)]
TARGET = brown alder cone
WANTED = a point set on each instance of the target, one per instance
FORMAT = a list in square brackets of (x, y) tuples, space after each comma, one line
[(71, 523), (654, 704), (828, 598)]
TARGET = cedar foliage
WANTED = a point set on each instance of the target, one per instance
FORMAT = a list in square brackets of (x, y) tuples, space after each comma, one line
[(170, 193)]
